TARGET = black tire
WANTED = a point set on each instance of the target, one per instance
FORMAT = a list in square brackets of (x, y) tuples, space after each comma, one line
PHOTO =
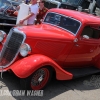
[(38, 80)]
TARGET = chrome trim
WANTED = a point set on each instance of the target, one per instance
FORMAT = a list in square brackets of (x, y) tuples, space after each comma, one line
[(5, 24), (5, 44), (61, 27), (3, 70)]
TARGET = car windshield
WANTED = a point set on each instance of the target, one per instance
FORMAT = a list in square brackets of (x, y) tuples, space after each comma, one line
[(70, 24), (4, 4), (71, 2)]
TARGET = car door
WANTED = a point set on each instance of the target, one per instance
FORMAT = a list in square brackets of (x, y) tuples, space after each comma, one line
[(85, 49)]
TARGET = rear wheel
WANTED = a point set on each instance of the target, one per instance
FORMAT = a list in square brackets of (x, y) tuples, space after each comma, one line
[(38, 80)]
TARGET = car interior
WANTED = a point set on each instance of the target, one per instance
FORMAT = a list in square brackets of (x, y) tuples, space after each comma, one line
[(91, 32)]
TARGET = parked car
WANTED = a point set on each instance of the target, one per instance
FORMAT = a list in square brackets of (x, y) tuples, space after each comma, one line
[(7, 18), (66, 44), (52, 4), (69, 4), (81, 5), (88, 6)]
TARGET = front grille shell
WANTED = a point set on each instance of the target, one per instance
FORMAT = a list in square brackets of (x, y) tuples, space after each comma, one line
[(11, 47)]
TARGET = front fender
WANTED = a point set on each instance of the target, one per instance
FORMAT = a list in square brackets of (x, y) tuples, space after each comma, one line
[(26, 66)]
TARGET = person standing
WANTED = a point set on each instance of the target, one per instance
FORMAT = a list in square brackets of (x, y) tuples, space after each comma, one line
[(33, 10), (42, 12)]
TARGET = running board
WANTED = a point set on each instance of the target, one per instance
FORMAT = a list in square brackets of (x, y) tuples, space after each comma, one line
[(80, 72)]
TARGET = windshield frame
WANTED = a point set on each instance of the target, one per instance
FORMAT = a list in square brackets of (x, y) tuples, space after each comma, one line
[(62, 27)]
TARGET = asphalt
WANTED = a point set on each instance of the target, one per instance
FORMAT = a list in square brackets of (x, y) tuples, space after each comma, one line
[(85, 88)]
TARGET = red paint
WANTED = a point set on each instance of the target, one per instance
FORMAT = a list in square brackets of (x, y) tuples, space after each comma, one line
[(56, 47)]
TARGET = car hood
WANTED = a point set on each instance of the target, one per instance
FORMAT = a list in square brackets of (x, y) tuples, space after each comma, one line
[(45, 31)]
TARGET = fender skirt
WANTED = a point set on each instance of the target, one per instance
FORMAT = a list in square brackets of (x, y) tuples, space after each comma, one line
[(26, 66)]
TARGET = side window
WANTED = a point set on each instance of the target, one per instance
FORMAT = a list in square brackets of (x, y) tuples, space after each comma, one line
[(91, 32), (96, 33), (87, 31)]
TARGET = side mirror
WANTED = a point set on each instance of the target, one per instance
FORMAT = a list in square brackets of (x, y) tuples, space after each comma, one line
[(85, 37), (75, 40)]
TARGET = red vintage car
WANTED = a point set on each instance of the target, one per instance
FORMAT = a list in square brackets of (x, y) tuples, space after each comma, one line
[(66, 44)]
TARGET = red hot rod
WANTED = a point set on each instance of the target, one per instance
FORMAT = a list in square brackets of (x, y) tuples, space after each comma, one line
[(67, 43)]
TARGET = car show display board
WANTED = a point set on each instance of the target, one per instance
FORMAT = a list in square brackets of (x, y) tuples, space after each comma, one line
[(22, 13)]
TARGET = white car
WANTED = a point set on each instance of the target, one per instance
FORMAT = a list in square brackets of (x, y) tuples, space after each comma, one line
[(88, 6)]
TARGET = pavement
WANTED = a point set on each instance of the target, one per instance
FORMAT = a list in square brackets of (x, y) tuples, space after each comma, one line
[(85, 88)]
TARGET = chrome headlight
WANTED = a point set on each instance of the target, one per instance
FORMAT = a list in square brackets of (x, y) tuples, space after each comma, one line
[(2, 35), (25, 49)]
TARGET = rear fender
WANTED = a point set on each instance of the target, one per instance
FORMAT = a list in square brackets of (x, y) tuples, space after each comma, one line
[(26, 66)]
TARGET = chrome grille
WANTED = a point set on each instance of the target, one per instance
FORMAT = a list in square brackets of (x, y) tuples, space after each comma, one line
[(11, 47)]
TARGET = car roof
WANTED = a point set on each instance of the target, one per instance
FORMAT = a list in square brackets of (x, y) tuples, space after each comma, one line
[(81, 16)]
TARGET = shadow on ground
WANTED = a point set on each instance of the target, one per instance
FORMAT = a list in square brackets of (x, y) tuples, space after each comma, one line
[(54, 89)]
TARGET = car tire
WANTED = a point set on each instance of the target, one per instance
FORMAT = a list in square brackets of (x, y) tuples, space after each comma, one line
[(38, 80)]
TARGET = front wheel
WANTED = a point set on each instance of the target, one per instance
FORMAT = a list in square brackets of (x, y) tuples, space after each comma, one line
[(38, 80)]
